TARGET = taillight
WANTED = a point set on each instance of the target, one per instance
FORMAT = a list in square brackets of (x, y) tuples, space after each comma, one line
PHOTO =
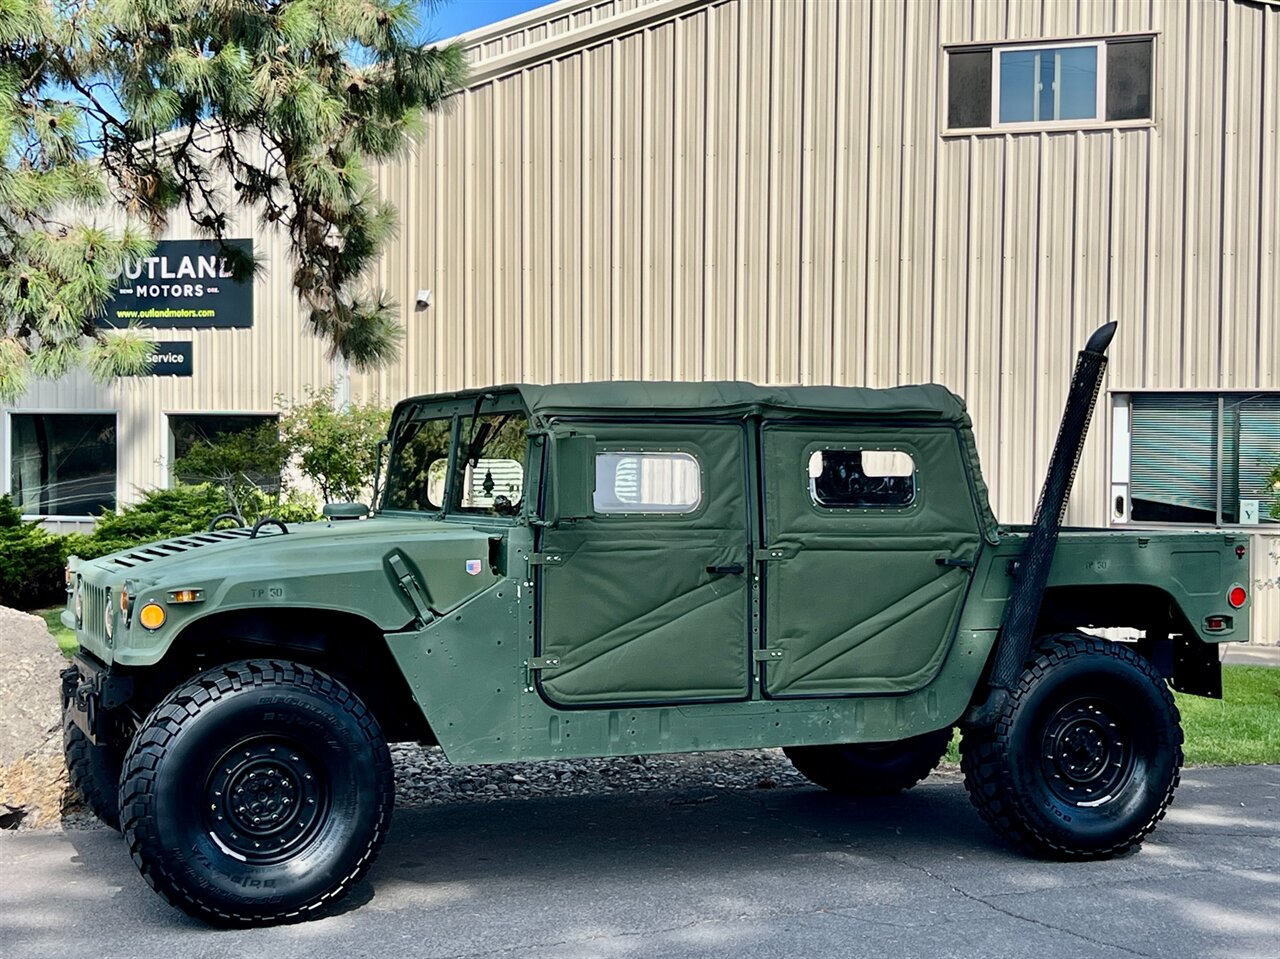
[(1237, 596)]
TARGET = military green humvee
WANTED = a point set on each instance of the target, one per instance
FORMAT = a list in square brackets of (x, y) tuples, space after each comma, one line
[(610, 569)]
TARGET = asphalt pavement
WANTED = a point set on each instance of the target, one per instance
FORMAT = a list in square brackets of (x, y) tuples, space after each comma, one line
[(709, 872)]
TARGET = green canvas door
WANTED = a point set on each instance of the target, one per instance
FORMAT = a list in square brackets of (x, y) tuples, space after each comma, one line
[(648, 600), (869, 533)]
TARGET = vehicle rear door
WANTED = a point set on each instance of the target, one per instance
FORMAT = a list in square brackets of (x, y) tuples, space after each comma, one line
[(647, 600), (870, 537)]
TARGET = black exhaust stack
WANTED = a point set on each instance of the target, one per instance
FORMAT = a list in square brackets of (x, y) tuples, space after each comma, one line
[(1017, 632)]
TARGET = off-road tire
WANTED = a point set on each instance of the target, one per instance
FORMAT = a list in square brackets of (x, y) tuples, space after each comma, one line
[(1084, 757), (871, 769), (257, 793), (93, 771)]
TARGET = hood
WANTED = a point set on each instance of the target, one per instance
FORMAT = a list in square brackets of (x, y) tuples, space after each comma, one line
[(204, 553)]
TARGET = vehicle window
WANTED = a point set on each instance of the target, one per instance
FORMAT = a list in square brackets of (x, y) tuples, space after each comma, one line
[(417, 466), (656, 482), (862, 479), (494, 449)]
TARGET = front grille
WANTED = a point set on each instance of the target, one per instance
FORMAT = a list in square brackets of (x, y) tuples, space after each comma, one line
[(93, 605), (172, 547)]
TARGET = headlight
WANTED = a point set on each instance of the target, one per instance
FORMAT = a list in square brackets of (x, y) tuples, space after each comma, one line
[(78, 605), (108, 616)]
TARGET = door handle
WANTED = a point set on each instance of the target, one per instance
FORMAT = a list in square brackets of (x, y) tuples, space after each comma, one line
[(955, 562), (733, 569)]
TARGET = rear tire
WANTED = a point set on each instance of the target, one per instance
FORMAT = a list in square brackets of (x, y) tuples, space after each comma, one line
[(1085, 755), (93, 771), (257, 793), (871, 769)]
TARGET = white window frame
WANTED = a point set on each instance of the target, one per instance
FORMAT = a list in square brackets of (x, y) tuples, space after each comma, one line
[(996, 128), (7, 480), (1100, 92)]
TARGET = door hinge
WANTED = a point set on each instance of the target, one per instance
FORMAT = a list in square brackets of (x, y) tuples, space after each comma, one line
[(768, 655), (411, 589), (546, 559), (769, 555), (535, 663)]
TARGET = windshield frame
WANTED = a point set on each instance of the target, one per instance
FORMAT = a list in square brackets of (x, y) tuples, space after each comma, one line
[(456, 410)]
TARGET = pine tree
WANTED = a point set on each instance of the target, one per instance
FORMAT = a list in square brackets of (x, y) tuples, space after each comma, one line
[(195, 108)]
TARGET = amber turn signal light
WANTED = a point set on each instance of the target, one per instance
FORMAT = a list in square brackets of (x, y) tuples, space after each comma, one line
[(152, 616)]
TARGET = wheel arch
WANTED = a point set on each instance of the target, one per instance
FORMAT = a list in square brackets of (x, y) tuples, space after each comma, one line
[(345, 645), (1169, 641)]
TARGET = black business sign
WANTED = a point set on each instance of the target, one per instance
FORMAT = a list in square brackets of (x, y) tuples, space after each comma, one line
[(184, 284), (172, 358)]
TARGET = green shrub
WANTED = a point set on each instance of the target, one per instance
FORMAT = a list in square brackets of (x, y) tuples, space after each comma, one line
[(31, 562), (161, 514)]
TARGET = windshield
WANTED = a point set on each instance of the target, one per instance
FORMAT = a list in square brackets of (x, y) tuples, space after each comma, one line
[(492, 464), (418, 466)]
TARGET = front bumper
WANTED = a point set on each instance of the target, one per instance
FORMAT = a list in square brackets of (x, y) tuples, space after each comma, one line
[(91, 692)]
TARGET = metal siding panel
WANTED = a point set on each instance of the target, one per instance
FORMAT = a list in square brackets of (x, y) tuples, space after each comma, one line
[(817, 197), (916, 327), (1242, 191), (689, 230), (525, 325), (855, 56), (752, 286), (1269, 191), (628, 161), (1203, 195), (720, 315), (983, 381), (1013, 467), (566, 177), (597, 212), (1165, 316), (786, 137), (657, 218), (884, 184), (1128, 248)]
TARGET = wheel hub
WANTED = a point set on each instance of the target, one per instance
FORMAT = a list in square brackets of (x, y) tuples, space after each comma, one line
[(1087, 755), (264, 799)]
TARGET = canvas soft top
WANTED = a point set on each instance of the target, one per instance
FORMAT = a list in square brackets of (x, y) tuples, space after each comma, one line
[(925, 403), (928, 402)]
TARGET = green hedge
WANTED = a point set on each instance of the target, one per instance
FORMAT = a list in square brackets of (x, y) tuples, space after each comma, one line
[(32, 559)]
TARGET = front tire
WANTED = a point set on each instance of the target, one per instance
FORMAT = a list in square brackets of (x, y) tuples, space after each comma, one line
[(257, 793), (1084, 758), (871, 769), (93, 771)]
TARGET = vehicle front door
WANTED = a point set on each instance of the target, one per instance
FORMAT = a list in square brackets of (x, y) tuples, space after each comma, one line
[(870, 537), (647, 599)]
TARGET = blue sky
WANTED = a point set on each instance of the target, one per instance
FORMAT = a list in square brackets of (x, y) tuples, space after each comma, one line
[(458, 16)]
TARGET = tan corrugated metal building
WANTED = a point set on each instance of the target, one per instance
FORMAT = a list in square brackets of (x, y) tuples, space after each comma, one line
[(796, 191)]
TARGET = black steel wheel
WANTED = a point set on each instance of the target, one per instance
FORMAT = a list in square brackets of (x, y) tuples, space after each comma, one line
[(871, 769), (1084, 758), (275, 782)]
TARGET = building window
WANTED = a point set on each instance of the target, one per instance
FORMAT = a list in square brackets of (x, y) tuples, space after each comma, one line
[(188, 431), (641, 482), (63, 464), (1050, 85), (1208, 459), (862, 479)]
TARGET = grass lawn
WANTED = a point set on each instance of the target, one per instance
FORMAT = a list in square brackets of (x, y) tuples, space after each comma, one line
[(1241, 728), (64, 637)]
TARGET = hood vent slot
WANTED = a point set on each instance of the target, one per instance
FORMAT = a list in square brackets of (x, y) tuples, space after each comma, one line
[(173, 547)]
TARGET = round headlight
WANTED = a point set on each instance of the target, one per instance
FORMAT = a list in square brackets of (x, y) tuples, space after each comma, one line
[(108, 616), (79, 606), (152, 616)]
